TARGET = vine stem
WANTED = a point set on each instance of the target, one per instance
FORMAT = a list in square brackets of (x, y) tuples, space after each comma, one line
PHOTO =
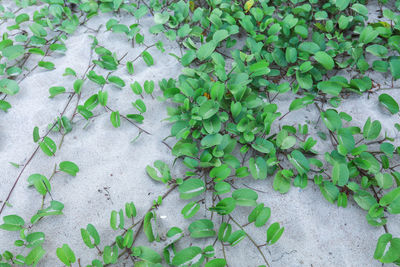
[(252, 240), (223, 252), (128, 120), (31, 157), (51, 177), (141, 221)]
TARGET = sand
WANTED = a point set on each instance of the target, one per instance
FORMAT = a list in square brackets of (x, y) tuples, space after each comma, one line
[(112, 168)]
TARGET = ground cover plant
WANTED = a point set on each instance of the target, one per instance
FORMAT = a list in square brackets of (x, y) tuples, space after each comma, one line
[(246, 66)]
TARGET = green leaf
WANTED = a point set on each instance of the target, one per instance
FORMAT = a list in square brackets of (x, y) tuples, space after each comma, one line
[(301, 103), (262, 216), (147, 226), (69, 167), (281, 183), (48, 146), (381, 245), (136, 88), (66, 124), (47, 65), (206, 50), (330, 87), (392, 200), (188, 57), (259, 68), (291, 54), (40, 182), (245, 197), (324, 59), (55, 208), (262, 145), (388, 102), (364, 199), (163, 169), (139, 105), (113, 219), (384, 180), (342, 4), (274, 232), (361, 9), (117, 81), (96, 78), (4, 105), (161, 18), (35, 239), (21, 18), (148, 87), (56, 90), (90, 233), (329, 191), (190, 256), (140, 12), (66, 255), (184, 148), (220, 173), (38, 30), (35, 255), (190, 209), (36, 135), (255, 213), (288, 142), (58, 47), (309, 47), (224, 232), (202, 228), (12, 223), (377, 50), (393, 253), (78, 86), (340, 174), (371, 130), (69, 71), (258, 168), (13, 52), (236, 237), (208, 109), (394, 64), (129, 67), (216, 263), (299, 161), (115, 119), (381, 66), (331, 119), (110, 255), (222, 188), (9, 87), (102, 97), (368, 34), (148, 59), (191, 188), (120, 28), (220, 35), (149, 255), (225, 206)]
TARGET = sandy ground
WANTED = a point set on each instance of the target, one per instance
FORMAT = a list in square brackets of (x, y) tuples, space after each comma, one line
[(112, 169)]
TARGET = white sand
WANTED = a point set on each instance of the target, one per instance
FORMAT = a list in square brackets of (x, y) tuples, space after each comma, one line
[(317, 233)]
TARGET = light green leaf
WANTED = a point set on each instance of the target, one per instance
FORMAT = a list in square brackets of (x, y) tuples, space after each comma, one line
[(9, 87), (324, 59), (115, 119), (69, 167)]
